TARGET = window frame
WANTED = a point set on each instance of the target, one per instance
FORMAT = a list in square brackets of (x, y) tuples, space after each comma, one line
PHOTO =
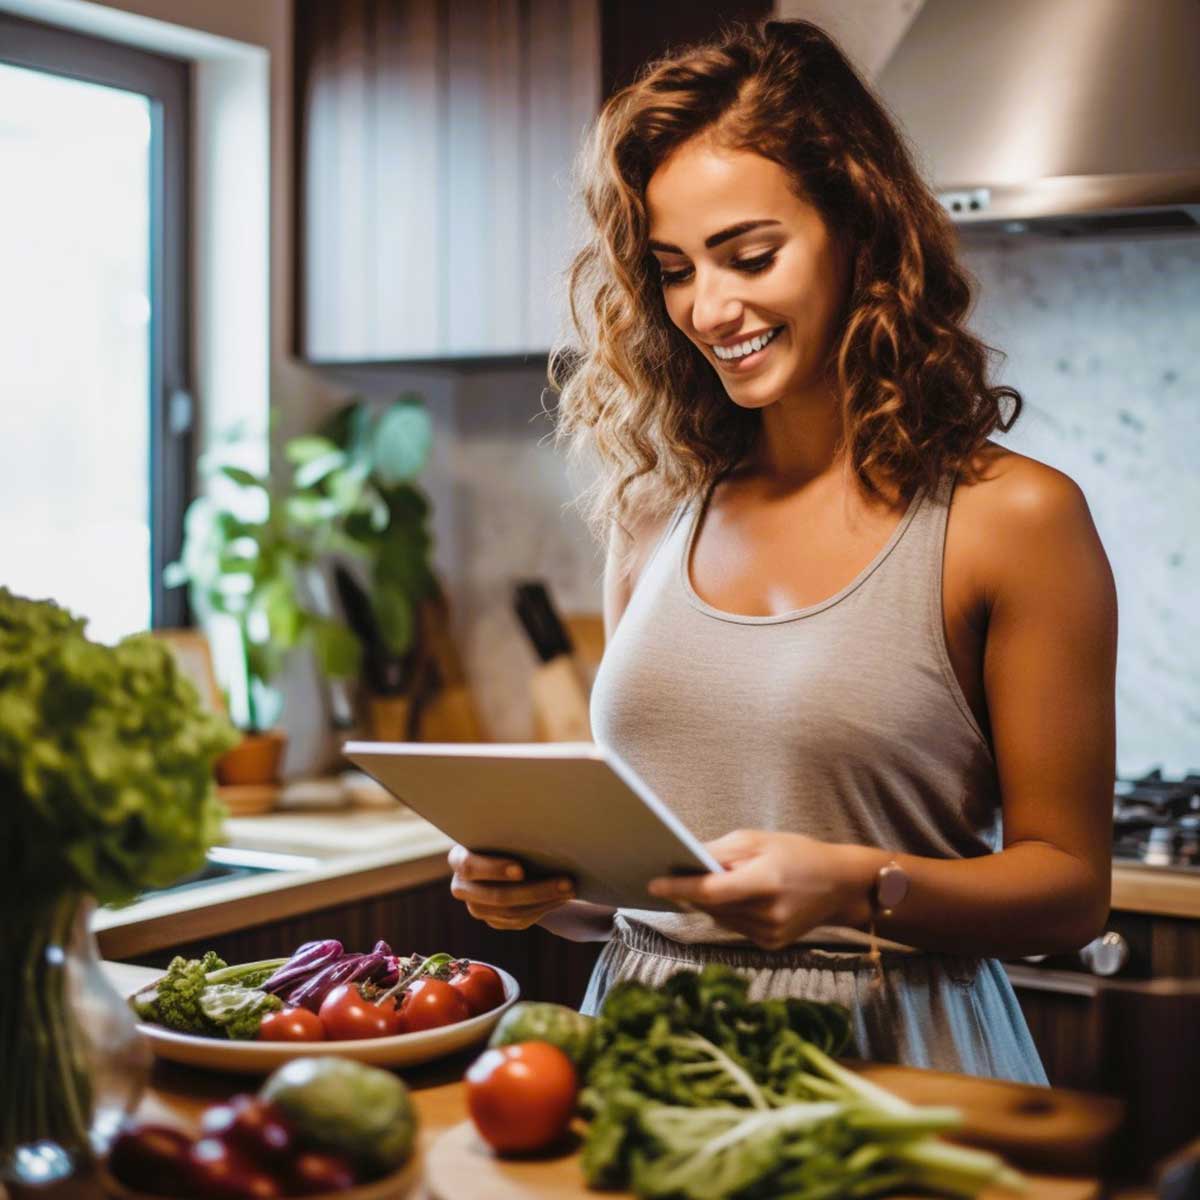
[(166, 81)]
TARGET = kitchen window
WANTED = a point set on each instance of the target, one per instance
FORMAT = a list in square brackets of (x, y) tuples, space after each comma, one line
[(94, 408)]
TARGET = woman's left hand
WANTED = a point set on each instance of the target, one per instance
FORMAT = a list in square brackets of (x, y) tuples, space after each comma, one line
[(777, 886)]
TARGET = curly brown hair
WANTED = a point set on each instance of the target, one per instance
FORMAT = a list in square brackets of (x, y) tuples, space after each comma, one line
[(912, 381)]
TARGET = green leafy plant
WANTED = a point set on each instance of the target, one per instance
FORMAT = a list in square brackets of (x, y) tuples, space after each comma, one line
[(255, 545), (246, 558), (354, 479), (106, 788), (696, 1093)]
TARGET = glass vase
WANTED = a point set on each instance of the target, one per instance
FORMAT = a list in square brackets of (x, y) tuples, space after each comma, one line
[(72, 1063)]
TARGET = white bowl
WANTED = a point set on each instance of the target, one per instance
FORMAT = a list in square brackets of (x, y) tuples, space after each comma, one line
[(260, 1058)]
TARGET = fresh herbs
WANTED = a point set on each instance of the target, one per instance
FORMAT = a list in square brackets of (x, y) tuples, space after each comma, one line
[(696, 1093)]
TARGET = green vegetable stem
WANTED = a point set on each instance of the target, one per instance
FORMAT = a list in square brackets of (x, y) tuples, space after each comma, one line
[(43, 1059)]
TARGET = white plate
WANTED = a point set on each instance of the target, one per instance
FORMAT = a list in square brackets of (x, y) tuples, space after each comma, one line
[(259, 1058)]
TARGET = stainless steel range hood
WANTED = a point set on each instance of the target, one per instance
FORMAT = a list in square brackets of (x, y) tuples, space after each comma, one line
[(1056, 116)]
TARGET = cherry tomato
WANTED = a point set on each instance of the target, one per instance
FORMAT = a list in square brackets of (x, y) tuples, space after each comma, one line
[(313, 1172), (252, 1125), (150, 1158), (346, 1015), (429, 1004), (479, 986), (521, 1097), (291, 1025), (220, 1170)]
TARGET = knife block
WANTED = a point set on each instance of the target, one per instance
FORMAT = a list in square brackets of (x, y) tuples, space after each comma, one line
[(560, 689)]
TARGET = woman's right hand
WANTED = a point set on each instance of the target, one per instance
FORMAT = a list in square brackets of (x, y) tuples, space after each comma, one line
[(494, 891)]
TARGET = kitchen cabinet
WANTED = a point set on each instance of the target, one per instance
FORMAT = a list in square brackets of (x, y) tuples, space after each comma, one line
[(434, 147)]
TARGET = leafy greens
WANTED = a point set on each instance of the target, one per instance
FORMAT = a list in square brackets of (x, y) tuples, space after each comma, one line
[(697, 1093)]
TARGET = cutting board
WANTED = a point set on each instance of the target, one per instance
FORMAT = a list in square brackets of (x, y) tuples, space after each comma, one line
[(1031, 1127)]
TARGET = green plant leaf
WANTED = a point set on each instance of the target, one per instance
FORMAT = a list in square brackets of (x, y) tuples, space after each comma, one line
[(337, 649), (306, 448), (401, 443), (311, 472), (245, 478), (396, 616)]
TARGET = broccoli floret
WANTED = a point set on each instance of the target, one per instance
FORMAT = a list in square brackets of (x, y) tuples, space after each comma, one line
[(179, 1001)]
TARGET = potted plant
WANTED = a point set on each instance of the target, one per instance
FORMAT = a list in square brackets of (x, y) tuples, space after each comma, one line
[(248, 558), (354, 480), (106, 789)]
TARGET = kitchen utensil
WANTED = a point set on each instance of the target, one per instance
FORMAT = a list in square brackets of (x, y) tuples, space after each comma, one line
[(560, 696), (386, 673)]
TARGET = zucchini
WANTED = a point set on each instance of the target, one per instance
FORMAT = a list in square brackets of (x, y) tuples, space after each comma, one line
[(538, 1021)]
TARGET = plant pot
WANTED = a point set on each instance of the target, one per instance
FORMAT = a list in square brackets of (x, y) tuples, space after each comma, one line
[(254, 760)]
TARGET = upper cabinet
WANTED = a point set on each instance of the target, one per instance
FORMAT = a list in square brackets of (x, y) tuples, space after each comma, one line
[(435, 145), (435, 141)]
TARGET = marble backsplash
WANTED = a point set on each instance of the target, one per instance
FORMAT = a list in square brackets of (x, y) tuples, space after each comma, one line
[(1101, 337)]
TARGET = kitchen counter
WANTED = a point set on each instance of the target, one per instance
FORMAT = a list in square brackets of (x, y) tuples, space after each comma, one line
[(360, 853), (363, 852), (179, 1094)]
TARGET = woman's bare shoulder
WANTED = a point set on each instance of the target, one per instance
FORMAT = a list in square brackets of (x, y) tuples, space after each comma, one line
[(1014, 513)]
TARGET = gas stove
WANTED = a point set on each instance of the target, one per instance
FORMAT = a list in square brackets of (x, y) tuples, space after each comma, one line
[(1156, 821)]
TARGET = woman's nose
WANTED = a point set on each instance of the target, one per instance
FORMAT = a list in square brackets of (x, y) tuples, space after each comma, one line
[(715, 309)]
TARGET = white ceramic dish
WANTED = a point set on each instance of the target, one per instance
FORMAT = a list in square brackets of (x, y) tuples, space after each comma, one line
[(260, 1058)]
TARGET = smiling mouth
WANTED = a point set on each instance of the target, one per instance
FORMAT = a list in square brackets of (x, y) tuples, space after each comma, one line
[(751, 346)]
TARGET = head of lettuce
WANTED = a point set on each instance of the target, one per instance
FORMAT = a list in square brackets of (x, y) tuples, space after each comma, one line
[(106, 782), (106, 789)]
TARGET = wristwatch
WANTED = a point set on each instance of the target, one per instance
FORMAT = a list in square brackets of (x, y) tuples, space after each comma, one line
[(889, 889), (891, 886)]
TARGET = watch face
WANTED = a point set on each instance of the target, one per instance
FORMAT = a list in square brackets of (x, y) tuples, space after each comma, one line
[(892, 886)]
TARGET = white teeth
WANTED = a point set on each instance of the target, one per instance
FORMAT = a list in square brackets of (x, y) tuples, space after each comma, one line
[(728, 353)]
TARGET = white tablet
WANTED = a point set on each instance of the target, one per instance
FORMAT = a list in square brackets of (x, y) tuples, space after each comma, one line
[(570, 808)]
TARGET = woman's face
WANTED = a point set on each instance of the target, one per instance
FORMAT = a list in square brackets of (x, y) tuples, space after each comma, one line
[(750, 272)]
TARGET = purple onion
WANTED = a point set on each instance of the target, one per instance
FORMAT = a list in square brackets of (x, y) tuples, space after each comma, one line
[(303, 965), (381, 947)]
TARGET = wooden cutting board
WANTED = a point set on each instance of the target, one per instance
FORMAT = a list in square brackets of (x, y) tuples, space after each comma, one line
[(1033, 1128)]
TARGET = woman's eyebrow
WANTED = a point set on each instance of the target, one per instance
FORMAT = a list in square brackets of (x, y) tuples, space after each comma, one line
[(710, 243)]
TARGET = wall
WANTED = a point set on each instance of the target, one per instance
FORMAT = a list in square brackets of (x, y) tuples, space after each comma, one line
[(1103, 340)]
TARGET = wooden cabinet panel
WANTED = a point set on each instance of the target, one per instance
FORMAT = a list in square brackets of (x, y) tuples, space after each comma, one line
[(434, 145), (564, 96), (407, 218)]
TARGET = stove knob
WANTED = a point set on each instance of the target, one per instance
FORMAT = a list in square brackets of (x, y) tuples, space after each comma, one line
[(1105, 955)]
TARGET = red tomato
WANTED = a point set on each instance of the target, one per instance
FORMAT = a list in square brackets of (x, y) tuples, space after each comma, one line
[(218, 1169), (521, 1097), (430, 1003), (479, 986), (253, 1125), (346, 1015), (291, 1025)]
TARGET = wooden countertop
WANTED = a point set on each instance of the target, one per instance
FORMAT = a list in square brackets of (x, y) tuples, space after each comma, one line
[(365, 851), (179, 1094)]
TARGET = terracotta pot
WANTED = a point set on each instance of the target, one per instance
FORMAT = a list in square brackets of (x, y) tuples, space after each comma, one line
[(255, 759)]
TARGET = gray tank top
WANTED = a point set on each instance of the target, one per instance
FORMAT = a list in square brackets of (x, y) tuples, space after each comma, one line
[(843, 720)]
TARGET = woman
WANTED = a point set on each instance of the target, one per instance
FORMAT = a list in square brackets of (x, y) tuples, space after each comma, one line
[(847, 633)]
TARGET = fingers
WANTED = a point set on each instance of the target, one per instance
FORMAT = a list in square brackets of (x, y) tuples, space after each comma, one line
[(510, 918), (467, 865), (512, 895), (728, 887)]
